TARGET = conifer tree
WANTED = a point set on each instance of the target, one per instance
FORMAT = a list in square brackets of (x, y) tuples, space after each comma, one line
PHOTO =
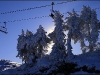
[(58, 37), (32, 46), (85, 26), (73, 25), (94, 30), (89, 27), (25, 48), (43, 40), (21, 47)]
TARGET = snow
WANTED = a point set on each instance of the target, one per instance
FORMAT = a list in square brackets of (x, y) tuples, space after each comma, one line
[(32, 48), (89, 59), (7, 65), (47, 65), (81, 72)]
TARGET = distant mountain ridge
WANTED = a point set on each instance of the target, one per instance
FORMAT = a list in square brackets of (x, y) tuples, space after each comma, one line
[(7, 64)]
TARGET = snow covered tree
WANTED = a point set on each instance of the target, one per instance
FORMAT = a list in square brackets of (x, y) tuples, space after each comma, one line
[(28, 33), (24, 47), (89, 27), (43, 40), (58, 50), (85, 26), (23, 32), (32, 46), (21, 47), (94, 30), (82, 28), (73, 27)]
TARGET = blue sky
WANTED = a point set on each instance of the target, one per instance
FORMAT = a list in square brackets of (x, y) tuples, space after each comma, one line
[(8, 42)]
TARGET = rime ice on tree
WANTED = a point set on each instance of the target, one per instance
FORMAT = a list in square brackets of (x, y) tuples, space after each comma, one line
[(58, 37), (85, 28), (94, 30), (72, 23), (43, 40), (23, 47), (32, 46), (89, 27)]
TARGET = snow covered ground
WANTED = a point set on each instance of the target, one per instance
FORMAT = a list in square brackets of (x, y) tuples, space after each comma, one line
[(88, 63)]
